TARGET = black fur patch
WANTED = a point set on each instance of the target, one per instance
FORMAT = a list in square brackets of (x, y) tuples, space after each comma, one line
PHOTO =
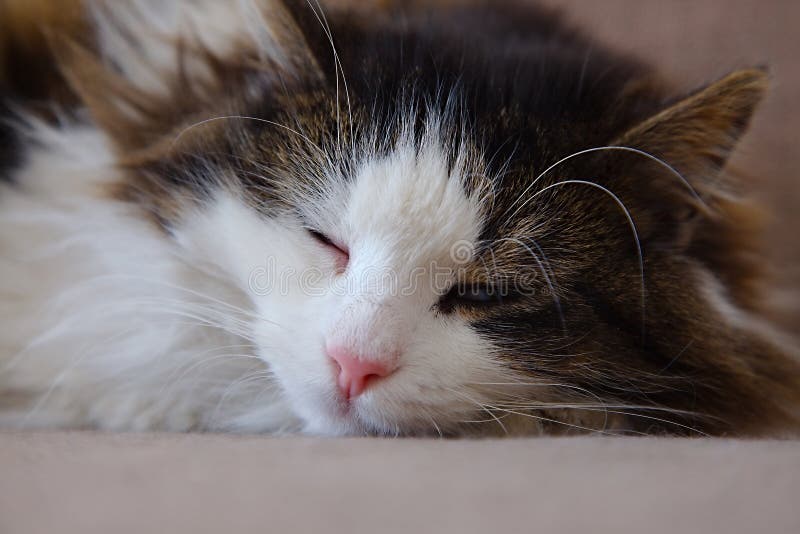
[(10, 146)]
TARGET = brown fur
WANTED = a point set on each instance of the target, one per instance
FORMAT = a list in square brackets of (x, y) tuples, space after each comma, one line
[(27, 66)]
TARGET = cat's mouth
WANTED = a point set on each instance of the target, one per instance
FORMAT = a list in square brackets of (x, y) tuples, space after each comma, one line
[(370, 414)]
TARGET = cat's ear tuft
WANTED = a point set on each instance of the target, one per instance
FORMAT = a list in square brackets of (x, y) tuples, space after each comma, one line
[(697, 134)]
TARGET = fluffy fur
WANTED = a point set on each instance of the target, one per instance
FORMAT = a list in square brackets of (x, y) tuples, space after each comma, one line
[(526, 226)]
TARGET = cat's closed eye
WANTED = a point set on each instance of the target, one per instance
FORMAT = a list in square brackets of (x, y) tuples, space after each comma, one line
[(340, 253), (473, 295)]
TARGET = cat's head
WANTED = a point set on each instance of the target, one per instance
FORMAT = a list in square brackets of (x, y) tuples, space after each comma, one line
[(514, 231)]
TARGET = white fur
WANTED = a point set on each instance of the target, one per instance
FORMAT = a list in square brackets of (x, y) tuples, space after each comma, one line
[(106, 321), (109, 322), (139, 36), (103, 321), (399, 218)]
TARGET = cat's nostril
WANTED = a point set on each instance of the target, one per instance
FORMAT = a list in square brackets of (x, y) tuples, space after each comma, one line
[(355, 374)]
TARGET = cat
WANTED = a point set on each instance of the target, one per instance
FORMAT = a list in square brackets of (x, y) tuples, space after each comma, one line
[(405, 219)]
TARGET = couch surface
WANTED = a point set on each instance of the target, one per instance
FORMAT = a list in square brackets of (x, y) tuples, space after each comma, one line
[(85, 483)]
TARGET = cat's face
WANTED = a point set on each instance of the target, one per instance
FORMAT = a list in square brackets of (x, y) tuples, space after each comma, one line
[(355, 290), (425, 241), (401, 292)]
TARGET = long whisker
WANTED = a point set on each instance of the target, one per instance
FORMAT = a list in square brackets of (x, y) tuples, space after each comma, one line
[(323, 20), (549, 420), (556, 299), (481, 406), (436, 427), (628, 410), (631, 223), (665, 421), (647, 155), (162, 283), (244, 117), (170, 381), (522, 405), (230, 390), (480, 421), (59, 379)]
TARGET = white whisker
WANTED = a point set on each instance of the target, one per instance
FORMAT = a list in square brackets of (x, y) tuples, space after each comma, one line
[(631, 223), (649, 156)]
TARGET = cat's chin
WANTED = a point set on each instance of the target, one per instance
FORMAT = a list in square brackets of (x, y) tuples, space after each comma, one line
[(362, 417), (339, 420)]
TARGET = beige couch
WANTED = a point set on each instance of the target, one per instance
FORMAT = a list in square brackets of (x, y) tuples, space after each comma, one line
[(104, 484), (86, 483)]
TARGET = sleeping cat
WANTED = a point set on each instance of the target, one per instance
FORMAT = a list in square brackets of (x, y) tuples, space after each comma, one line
[(418, 218)]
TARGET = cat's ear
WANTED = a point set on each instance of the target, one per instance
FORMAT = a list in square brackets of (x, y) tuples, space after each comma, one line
[(697, 134)]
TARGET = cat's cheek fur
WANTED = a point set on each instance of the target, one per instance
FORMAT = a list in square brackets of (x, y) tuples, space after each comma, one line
[(103, 323)]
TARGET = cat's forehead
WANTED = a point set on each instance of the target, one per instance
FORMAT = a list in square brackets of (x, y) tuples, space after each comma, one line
[(426, 197), (414, 202)]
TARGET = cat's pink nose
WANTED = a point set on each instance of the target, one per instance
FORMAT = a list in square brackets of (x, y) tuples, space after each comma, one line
[(355, 374)]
